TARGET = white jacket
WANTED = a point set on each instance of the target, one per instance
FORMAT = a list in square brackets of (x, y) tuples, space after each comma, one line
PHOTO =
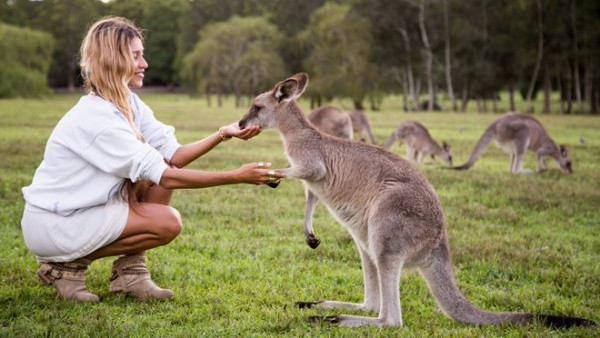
[(92, 150)]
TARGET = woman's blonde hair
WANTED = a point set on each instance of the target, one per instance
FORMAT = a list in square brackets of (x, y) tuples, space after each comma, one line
[(107, 65)]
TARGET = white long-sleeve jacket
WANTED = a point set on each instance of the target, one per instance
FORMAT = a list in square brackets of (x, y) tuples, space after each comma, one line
[(92, 150)]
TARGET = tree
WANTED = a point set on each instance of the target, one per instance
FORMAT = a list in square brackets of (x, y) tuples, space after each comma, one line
[(540, 54), (339, 44), (67, 20), (25, 57), (238, 56), (428, 55), (447, 58), (394, 36), (160, 22)]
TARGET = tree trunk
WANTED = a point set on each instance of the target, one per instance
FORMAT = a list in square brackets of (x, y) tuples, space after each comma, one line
[(540, 55), (569, 89), (428, 56), (411, 85), (588, 85), (465, 99), (576, 82), (447, 58), (511, 97), (358, 104), (561, 91), (547, 88), (404, 80), (596, 102)]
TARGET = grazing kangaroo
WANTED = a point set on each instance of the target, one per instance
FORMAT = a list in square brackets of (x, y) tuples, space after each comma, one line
[(392, 212), (332, 121), (515, 133), (361, 125), (419, 142), (342, 124)]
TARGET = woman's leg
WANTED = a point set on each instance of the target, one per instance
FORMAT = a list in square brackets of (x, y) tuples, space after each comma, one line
[(149, 224)]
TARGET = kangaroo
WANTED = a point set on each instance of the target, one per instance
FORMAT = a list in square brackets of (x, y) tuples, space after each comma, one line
[(514, 133), (332, 121), (361, 125), (419, 142), (392, 212)]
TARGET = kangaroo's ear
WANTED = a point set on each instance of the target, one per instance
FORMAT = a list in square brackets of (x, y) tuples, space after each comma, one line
[(446, 146), (291, 88), (563, 150)]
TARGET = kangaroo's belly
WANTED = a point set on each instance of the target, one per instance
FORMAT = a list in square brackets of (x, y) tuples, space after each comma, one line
[(348, 207)]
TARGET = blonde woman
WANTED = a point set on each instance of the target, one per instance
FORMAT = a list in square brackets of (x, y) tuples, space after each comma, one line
[(108, 174)]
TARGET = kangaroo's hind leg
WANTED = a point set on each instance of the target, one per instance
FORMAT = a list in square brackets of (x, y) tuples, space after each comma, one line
[(371, 290), (517, 156), (389, 267)]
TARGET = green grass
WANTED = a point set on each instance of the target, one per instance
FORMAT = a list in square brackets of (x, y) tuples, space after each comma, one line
[(519, 243)]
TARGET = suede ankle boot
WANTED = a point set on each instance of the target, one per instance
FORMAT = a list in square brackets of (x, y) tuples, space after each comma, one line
[(130, 275), (68, 279)]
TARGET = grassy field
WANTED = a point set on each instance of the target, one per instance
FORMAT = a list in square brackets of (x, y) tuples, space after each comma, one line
[(519, 243)]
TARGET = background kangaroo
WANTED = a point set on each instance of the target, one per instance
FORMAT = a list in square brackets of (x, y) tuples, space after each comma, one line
[(361, 125), (332, 121), (419, 142), (515, 133), (392, 212)]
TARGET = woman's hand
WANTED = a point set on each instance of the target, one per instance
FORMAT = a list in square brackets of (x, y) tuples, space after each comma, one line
[(233, 130), (259, 173)]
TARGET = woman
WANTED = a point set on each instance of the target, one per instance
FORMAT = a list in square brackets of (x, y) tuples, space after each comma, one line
[(108, 174)]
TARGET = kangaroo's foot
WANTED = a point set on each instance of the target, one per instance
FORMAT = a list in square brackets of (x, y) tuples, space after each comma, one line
[(353, 321), (330, 304)]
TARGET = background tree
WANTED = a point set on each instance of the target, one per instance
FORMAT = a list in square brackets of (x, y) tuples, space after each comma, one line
[(394, 47), (238, 56), (339, 46), (67, 21), (376, 46), (25, 57)]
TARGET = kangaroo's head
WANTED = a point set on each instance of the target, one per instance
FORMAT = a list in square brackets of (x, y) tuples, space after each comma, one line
[(266, 106), (563, 159), (446, 155)]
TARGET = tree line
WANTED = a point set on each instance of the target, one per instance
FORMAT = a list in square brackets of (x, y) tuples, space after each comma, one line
[(424, 50)]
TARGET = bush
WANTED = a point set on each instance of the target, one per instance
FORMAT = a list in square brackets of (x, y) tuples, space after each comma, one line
[(25, 57)]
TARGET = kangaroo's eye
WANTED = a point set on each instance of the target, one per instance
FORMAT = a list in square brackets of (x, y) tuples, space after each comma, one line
[(255, 108)]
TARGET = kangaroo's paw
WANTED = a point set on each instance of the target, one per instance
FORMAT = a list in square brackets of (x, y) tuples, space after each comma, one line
[(274, 184), (312, 241)]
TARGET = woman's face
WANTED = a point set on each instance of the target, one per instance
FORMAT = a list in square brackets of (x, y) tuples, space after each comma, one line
[(137, 48)]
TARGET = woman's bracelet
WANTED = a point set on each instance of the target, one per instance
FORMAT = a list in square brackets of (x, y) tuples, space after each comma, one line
[(222, 134)]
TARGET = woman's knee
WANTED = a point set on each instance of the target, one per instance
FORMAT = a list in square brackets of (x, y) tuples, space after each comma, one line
[(172, 225)]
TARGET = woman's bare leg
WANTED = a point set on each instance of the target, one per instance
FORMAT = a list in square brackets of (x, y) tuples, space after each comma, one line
[(152, 224)]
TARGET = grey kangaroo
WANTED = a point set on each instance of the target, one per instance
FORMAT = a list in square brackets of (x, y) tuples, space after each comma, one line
[(419, 142), (361, 126), (392, 212), (332, 121), (515, 133)]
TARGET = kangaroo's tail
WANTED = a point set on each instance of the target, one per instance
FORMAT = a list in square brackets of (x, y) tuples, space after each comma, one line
[(487, 136), (437, 270)]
